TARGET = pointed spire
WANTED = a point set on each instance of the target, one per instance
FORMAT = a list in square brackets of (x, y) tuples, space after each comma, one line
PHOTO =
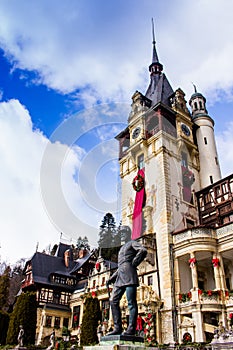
[(155, 58), (195, 88), (155, 67), (159, 89)]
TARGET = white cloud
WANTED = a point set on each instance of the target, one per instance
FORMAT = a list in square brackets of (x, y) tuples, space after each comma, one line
[(48, 187), (23, 217), (105, 50)]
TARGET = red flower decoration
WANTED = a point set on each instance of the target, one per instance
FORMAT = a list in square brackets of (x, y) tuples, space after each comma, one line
[(93, 294), (97, 266), (230, 315), (192, 262), (215, 262)]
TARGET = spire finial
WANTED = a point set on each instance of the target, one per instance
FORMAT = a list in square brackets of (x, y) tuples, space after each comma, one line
[(195, 88), (153, 31), (154, 54)]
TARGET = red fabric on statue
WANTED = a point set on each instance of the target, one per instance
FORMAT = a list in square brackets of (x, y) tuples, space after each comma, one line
[(137, 212)]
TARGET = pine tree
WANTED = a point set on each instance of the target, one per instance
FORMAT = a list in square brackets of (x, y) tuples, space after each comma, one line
[(109, 239), (24, 314), (15, 282), (91, 316), (4, 289)]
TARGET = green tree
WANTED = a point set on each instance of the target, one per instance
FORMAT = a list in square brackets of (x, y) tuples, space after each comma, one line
[(15, 282), (4, 289), (91, 316), (82, 243), (109, 238), (24, 314), (4, 322)]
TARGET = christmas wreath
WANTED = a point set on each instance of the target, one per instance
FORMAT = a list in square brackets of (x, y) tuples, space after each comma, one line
[(138, 183)]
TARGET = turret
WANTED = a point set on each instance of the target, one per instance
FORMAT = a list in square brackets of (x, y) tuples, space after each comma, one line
[(209, 165)]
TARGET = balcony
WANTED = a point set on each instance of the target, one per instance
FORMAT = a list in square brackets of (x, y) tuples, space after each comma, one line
[(215, 203), (207, 298), (194, 233)]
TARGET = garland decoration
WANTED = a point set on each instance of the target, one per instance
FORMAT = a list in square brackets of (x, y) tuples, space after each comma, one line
[(138, 183), (192, 262), (215, 262)]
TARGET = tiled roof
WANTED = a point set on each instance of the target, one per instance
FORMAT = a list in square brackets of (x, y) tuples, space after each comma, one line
[(44, 265), (159, 90)]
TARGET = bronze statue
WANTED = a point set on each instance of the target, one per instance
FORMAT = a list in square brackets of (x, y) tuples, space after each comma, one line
[(125, 279)]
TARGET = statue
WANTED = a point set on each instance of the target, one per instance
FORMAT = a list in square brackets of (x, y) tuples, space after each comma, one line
[(99, 331), (20, 336), (125, 279), (52, 341)]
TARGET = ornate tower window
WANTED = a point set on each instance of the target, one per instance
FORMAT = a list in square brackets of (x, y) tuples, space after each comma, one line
[(140, 162)]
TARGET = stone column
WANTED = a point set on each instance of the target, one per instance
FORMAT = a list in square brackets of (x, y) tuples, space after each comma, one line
[(198, 321), (193, 267), (222, 274), (215, 262), (177, 278)]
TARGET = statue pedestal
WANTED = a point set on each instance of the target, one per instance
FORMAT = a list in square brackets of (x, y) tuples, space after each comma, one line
[(119, 342)]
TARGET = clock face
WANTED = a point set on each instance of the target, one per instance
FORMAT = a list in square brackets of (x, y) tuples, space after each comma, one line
[(136, 132), (185, 129)]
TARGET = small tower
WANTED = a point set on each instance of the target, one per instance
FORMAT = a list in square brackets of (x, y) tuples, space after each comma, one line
[(209, 165)]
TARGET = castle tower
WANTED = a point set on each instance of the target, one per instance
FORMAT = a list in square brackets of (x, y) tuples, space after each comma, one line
[(159, 168), (209, 164)]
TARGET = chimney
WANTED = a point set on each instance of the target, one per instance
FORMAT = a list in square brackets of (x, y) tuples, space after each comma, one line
[(67, 257), (82, 253)]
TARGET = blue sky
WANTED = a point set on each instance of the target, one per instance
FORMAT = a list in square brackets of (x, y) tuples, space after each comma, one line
[(68, 71)]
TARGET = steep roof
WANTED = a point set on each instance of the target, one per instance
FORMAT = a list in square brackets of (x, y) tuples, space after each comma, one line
[(80, 262), (159, 89), (44, 265), (62, 247)]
